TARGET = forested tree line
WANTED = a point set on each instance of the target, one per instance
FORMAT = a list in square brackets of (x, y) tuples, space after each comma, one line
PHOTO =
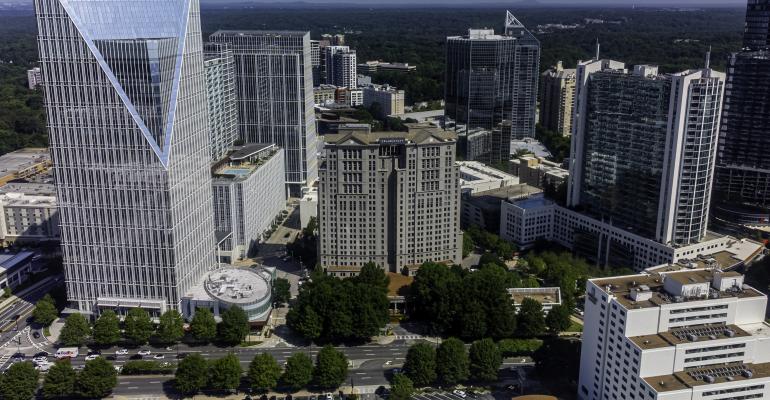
[(675, 40)]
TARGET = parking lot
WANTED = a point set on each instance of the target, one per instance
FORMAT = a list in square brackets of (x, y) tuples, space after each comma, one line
[(451, 396)]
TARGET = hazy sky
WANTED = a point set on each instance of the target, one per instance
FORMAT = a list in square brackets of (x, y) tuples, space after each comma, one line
[(467, 2)]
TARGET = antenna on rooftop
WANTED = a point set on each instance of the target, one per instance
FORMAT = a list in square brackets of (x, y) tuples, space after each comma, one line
[(597, 50), (708, 58)]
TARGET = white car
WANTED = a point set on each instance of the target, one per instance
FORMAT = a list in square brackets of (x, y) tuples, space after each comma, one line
[(460, 393), (121, 352), (159, 356), (43, 366), (40, 360), (144, 352), (329, 396), (92, 357)]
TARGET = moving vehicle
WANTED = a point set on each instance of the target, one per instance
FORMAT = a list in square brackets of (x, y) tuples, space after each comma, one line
[(92, 357), (460, 393), (67, 352), (144, 352), (159, 356), (121, 352), (40, 360)]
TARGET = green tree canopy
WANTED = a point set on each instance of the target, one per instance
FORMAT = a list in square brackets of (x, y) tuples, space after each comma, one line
[(531, 321), (203, 325), (225, 373), (401, 388), (97, 379), (170, 327), (192, 374), (234, 326), (59, 382), (452, 362), (298, 372), (420, 364), (331, 368), (45, 311), (281, 291), (75, 330), (19, 382), (329, 308), (485, 360), (263, 373), (558, 319), (107, 329), (138, 326)]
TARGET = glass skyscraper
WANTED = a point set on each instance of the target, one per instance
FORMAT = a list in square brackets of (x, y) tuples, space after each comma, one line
[(644, 148), (492, 78), (274, 82), (742, 186), (125, 99), (219, 66)]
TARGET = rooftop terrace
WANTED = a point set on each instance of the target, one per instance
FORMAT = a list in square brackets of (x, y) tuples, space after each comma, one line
[(734, 372)]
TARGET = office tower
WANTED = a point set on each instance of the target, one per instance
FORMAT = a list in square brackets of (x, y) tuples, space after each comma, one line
[(644, 148), (249, 194), (126, 105), (491, 78), (491, 146), (275, 96), (333, 40), (373, 67), (742, 185), (34, 78), (557, 99), (756, 34), (674, 333), (390, 99), (219, 66), (392, 198), (315, 60), (340, 66)]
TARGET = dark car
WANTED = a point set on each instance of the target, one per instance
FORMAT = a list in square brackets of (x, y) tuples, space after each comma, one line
[(17, 357), (181, 355), (136, 357), (36, 335)]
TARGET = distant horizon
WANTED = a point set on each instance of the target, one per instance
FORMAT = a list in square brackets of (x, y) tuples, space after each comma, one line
[(458, 3)]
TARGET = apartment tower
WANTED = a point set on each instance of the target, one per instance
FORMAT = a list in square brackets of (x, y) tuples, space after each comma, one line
[(274, 82)]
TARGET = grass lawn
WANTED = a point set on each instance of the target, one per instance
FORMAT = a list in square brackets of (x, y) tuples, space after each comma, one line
[(575, 327)]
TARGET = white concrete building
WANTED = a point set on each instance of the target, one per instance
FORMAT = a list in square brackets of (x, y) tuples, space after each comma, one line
[(674, 334), (477, 177), (308, 205), (249, 193), (27, 217), (34, 78), (525, 221), (390, 98)]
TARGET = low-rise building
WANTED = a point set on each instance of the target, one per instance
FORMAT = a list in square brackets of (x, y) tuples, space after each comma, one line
[(373, 67), (324, 94), (390, 99), (308, 205), (15, 268), (23, 164), (249, 194), (477, 177), (28, 218), (248, 288), (539, 172), (671, 334), (525, 221), (482, 209), (548, 297)]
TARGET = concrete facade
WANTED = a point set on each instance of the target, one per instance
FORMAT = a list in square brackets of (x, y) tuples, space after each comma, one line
[(392, 198)]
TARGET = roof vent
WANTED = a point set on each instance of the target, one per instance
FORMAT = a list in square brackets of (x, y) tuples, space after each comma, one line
[(747, 373), (708, 378), (692, 337), (729, 333)]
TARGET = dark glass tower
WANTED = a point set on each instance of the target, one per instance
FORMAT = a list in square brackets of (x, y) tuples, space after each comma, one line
[(757, 30), (492, 78), (742, 186)]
